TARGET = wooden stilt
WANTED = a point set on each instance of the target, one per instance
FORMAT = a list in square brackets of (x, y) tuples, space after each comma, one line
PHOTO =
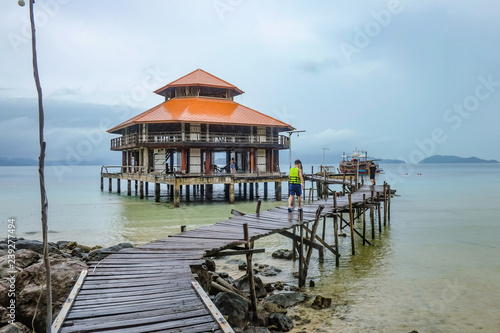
[(251, 281), (118, 185), (312, 238), (385, 204), (157, 192), (364, 219), (351, 223), (245, 190), (188, 193), (257, 210), (379, 215), (372, 214), (141, 190), (251, 190), (129, 187), (265, 190), (136, 186), (302, 279), (110, 181), (389, 204), (102, 184), (294, 247), (146, 189)]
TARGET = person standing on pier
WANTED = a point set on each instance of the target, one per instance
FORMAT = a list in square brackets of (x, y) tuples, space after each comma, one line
[(373, 170), (296, 184)]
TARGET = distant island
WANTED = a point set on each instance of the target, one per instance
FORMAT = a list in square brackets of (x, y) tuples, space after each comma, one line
[(454, 159), (389, 161)]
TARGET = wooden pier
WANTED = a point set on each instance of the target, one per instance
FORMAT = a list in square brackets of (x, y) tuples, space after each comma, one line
[(152, 288)]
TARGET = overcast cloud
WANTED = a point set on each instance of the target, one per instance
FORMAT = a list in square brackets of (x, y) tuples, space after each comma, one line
[(401, 79)]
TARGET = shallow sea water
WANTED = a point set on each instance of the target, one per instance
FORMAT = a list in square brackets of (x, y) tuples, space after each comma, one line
[(435, 269)]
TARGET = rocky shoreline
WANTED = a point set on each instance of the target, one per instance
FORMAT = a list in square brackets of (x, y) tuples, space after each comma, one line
[(68, 259)]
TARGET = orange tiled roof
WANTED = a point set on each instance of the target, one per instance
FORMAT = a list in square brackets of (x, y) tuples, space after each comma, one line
[(202, 110), (199, 78)]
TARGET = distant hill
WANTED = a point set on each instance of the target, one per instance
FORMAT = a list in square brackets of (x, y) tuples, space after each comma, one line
[(454, 159)]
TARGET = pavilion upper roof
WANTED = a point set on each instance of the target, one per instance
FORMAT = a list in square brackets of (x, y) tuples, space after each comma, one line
[(199, 78), (202, 110)]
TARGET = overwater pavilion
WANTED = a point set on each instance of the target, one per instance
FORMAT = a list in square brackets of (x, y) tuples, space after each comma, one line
[(182, 141)]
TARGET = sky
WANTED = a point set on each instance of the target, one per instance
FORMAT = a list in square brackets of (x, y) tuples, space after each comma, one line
[(400, 79)]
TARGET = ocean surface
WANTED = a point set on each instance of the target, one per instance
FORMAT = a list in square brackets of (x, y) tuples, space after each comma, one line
[(436, 268)]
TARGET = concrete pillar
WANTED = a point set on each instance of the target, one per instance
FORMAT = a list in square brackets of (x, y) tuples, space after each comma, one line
[(231, 193), (177, 193)]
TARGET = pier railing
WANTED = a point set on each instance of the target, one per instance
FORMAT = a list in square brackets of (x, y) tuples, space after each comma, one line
[(215, 137)]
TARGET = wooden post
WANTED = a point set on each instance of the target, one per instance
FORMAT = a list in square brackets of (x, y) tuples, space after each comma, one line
[(141, 190), (364, 218), (231, 193), (146, 189), (294, 248), (379, 216), (257, 210), (183, 228), (372, 214), (136, 185), (389, 204), (157, 192), (251, 190), (385, 204), (351, 223), (118, 186), (277, 190), (257, 190), (265, 190), (302, 278), (102, 183), (251, 281), (110, 184), (188, 192), (336, 230), (245, 190), (129, 187), (312, 184), (312, 238)]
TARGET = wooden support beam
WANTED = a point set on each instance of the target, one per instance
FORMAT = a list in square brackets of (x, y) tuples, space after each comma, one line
[(372, 214), (231, 193), (102, 184), (257, 210), (129, 187), (313, 236), (110, 181), (302, 277), (364, 219), (322, 242), (237, 252), (297, 239), (385, 204), (389, 204), (336, 239), (224, 325), (118, 185), (141, 190), (351, 223), (177, 193), (379, 215), (251, 281), (157, 192)]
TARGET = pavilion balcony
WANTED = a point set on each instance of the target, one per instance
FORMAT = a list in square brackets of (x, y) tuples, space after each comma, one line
[(210, 139)]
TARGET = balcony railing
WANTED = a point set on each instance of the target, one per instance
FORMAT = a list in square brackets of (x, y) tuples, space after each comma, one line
[(173, 137)]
